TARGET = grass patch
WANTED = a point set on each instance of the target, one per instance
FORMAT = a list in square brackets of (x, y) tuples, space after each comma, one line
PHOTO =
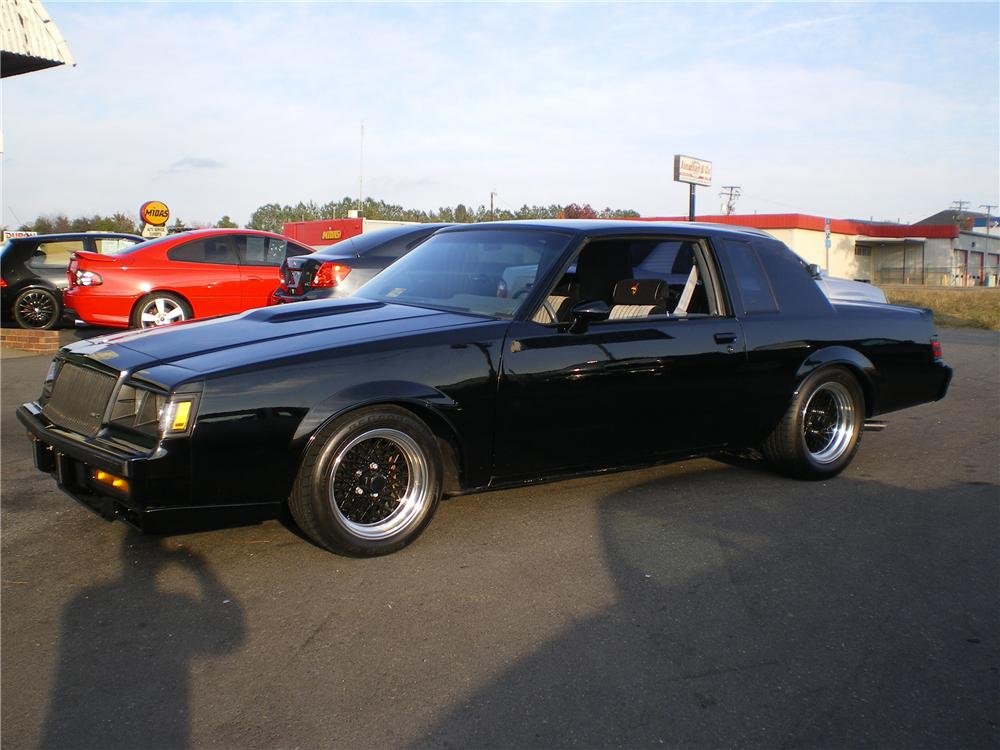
[(969, 307)]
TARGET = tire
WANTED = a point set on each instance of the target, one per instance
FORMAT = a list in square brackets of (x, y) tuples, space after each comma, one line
[(346, 497), (159, 309), (821, 431), (37, 308)]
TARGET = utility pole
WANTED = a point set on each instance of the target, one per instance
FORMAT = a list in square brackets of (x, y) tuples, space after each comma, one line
[(361, 172), (730, 193), (492, 194), (988, 208), (960, 207)]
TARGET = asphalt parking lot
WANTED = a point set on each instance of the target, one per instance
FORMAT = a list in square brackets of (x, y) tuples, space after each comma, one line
[(701, 604)]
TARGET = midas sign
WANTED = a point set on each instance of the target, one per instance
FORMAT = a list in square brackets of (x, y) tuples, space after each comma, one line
[(154, 213)]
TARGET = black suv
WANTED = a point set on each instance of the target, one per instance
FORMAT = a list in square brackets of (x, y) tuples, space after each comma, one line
[(34, 272)]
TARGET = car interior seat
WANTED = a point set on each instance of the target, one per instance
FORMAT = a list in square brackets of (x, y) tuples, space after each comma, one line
[(638, 298)]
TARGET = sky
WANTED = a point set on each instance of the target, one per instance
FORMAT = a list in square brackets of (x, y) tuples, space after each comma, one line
[(846, 110)]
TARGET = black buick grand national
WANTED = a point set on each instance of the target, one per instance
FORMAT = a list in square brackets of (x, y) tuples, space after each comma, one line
[(490, 356)]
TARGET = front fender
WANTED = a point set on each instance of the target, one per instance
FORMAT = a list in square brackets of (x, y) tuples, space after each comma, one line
[(866, 372), (375, 392)]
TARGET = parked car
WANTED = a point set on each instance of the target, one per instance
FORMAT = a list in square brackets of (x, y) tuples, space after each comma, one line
[(181, 276), (34, 272), (337, 271), (633, 343)]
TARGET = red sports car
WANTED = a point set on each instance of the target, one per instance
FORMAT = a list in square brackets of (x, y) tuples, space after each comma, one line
[(188, 275)]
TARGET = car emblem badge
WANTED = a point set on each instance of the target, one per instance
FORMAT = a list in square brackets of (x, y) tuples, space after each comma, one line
[(634, 289)]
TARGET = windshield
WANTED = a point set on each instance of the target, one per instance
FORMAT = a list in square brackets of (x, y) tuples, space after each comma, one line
[(480, 271)]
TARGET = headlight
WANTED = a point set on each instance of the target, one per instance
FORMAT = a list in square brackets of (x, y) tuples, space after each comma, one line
[(88, 278), (178, 416)]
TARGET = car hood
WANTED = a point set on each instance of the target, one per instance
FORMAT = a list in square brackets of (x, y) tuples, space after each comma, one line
[(195, 348)]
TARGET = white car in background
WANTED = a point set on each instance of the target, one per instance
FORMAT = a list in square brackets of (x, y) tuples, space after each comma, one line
[(848, 290)]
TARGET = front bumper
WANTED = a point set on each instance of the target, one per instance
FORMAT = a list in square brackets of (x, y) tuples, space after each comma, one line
[(159, 499), (158, 484)]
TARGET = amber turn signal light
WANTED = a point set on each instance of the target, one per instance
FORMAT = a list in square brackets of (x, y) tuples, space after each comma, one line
[(111, 480)]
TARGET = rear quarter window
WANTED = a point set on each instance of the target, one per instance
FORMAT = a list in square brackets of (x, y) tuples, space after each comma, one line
[(216, 250), (752, 282), (794, 287), (54, 254)]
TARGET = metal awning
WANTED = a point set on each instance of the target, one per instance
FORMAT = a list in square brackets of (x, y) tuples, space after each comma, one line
[(890, 240), (29, 40)]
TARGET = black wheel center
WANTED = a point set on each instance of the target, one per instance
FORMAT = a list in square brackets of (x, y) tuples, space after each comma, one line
[(377, 484)]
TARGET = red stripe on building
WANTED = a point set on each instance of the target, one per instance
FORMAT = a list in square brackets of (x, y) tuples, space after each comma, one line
[(816, 224)]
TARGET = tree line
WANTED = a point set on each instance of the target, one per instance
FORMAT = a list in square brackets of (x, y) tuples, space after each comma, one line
[(271, 216), (117, 222)]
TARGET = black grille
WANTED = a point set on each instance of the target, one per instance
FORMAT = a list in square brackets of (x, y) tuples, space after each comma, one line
[(79, 397)]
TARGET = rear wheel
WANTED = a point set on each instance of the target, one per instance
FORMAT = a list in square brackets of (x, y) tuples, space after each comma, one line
[(369, 483), (821, 431), (37, 308), (160, 309)]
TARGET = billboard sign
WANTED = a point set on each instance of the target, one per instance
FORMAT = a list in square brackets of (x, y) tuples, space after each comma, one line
[(691, 170)]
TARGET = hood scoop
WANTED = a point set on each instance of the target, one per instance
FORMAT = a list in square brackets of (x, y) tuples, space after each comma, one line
[(307, 310)]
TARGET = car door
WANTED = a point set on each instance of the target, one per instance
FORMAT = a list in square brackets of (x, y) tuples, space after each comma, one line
[(206, 271), (617, 392)]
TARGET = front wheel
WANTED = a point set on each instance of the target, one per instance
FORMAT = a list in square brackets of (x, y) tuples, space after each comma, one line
[(369, 483), (37, 308), (821, 431), (159, 309)]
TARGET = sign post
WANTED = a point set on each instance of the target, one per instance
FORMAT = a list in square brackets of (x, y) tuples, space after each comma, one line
[(694, 172), (826, 243)]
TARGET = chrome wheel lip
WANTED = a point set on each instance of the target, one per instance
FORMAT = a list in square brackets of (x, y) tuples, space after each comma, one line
[(36, 308), (412, 505), (160, 311), (839, 427)]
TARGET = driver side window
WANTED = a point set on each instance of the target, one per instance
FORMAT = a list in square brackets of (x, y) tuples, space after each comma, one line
[(635, 278)]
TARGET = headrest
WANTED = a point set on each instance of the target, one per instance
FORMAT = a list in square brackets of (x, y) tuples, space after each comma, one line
[(640, 292)]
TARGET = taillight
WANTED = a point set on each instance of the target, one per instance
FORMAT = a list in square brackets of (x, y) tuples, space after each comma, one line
[(3, 283), (88, 278), (936, 350), (330, 274)]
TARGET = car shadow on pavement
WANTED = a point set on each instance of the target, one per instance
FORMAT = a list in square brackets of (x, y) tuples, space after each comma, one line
[(127, 647), (804, 616)]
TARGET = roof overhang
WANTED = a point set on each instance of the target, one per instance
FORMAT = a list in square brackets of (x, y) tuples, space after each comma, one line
[(891, 240), (29, 40)]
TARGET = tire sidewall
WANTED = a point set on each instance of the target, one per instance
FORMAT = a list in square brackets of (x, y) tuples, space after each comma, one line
[(328, 445), (810, 467), (56, 308)]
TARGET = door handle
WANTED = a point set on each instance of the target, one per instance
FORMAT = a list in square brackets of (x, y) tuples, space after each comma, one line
[(725, 338)]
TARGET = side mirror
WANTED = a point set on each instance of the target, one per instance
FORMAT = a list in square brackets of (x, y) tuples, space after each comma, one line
[(588, 312), (591, 310), (814, 270)]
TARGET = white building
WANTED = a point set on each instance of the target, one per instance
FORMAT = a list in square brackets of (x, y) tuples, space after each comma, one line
[(881, 253)]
